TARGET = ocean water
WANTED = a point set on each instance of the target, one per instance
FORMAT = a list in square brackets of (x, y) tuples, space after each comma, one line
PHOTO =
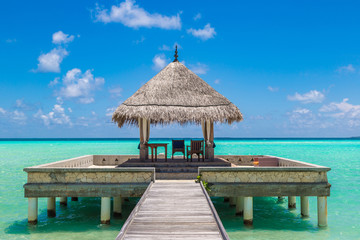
[(272, 219)]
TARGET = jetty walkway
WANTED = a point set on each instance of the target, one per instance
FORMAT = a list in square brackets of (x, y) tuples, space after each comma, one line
[(174, 209)]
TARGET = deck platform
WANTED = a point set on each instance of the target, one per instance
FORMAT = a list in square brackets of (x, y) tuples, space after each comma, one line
[(174, 210)]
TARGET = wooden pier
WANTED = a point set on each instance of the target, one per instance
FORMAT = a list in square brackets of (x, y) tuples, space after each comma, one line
[(174, 209)]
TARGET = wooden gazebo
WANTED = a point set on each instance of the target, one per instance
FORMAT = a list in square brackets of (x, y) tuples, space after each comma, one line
[(176, 95)]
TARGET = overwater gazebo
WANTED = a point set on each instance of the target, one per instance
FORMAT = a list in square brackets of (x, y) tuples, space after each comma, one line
[(176, 95)]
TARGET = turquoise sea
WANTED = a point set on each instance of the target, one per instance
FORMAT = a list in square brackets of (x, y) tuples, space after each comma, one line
[(272, 219)]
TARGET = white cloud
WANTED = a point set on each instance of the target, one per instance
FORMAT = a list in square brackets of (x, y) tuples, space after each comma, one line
[(342, 109), (217, 81), (50, 62), (346, 69), (204, 34), (70, 110), (142, 39), (56, 116), (11, 40), (115, 92), (199, 68), (197, 16), (310, 97), (80, 85), (54, 82), (110, 111), (15, 116), (164, 48), (302, 111), (60, 37), (19, 103), (273, 89), (343, 112), (131, 15), (159, 62), (19, 116), (302, 118)]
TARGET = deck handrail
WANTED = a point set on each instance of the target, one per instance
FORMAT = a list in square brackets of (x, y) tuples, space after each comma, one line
[(222, 230), (133, 213)]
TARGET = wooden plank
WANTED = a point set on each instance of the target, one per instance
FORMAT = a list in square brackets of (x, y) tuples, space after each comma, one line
[(173, 210)]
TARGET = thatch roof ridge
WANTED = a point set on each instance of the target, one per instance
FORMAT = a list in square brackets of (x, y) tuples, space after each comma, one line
[(176, 94)]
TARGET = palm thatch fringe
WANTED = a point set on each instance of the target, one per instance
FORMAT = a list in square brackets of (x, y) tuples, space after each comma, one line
[(176, 95)]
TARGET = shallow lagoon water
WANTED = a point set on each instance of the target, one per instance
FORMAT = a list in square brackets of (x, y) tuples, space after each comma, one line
[(272, 219)]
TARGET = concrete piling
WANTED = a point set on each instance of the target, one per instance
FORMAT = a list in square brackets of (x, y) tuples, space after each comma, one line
[(322, 211), (63, 201), (239, 206), (291, 202), (248, 211), (105, 210), (232, 201), (51, 207), (32, 210), (117, 208), (304, 206)]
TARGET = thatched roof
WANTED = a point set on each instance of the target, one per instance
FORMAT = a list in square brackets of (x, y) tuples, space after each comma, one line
[(176, 94)]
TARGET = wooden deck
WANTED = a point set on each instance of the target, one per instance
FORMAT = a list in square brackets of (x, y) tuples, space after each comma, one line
[(177, 209)]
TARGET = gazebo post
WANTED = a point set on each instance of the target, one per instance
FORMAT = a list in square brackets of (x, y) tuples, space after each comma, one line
[(144, 128), (208, 131)]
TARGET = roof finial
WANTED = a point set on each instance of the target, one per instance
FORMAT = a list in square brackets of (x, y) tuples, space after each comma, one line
[(176, 54)]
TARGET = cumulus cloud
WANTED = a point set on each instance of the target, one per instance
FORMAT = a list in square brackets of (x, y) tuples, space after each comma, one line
[(342, 109), (159, 62), (78, 85), (60, 37), (344, 112), (273, 89), (2, 111), (131, 15), (199, 68), (310, 97), (55, 117), (204, 34), (346, 69), (50, 62), (217, 81)]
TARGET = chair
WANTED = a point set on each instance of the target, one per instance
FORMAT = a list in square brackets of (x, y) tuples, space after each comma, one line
[(178, 146), (196, 147)]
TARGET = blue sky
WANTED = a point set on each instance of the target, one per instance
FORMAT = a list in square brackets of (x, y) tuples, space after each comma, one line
[(292, 68)]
